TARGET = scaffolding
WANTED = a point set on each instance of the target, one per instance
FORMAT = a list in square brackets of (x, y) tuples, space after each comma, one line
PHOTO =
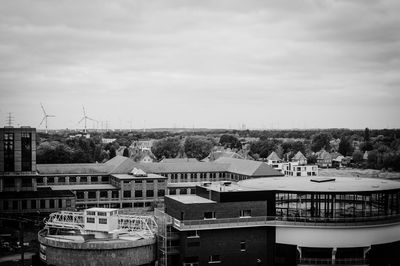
[(140, 224), (164, 222)]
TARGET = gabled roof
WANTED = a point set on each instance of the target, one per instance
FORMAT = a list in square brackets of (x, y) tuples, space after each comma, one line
[(74, 168), (273, 157), (324, 155), (299, 156), (187, 167), (219, 154), (119, 165), (248, 167)]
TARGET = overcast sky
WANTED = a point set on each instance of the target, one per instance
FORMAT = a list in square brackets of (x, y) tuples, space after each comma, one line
[(217, 64)]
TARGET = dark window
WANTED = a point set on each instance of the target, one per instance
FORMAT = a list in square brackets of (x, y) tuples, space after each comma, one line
[(26, 151), (72, 179), (147, 204), (114, 194), (26, 182), (42, 204), (172, 191), (214, 258), (39, 180), (80, 195), (127, 194), (192, 191), (33, 204), (209, 215), (9, 152), (15, 205), (138, 182), (149, 193), (84, 179), (9, 182), (51, 204), (161, 193), (61, 179), (60, 203), (102, 221), (104, 178), (23, 204), (149, 181), (103, 194), (101, 213), (50, 180), (138, 194), (183, 191), (192, 234), (92, 194), (243, 245), (245, 213), (138, 204), (90, 220)]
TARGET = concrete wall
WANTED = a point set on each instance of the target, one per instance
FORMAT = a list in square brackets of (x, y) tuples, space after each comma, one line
[(140, 252)]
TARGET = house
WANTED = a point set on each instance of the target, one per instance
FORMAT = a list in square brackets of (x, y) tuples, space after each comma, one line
[(337, 159), (324, 159), (273, 159), (300, 158)]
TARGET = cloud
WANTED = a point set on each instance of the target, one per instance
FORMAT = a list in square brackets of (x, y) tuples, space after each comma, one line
[(239, 57)]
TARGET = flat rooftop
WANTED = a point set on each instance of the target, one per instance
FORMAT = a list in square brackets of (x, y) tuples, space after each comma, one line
[(190, 199), (338, 184)]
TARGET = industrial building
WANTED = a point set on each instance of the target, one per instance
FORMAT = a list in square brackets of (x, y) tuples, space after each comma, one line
[(98, 236), (283, 221)]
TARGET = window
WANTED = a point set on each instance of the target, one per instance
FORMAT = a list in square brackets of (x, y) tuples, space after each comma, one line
[(103, 194), (127, 194), (102, 221), (83, 179), (60, 203), (101, 214), (33, 204), (92, 194), (149, 193), (138, 182), (8, 152), (90, 220), (42, 204), (209, 215), (50, 180), (39, 180), (183, 191), (90, 213), (61, 179), (214, 259), (242, 245), (104, 179), (26, 182), (26, 151), (80, 195), (52, 204), (138, 194), (24, 204), (245, 213), (72, 179), (161, 193), (68, 203), (172, 192), (149, 181)]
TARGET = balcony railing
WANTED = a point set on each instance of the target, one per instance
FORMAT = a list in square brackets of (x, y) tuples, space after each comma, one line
[(320, 261), (281, 221)]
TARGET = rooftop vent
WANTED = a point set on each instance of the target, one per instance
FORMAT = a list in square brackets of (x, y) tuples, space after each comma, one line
[(207, 184), (322, 179), (138, 172), (226, 183)]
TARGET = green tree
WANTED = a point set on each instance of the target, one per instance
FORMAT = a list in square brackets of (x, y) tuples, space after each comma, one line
[(197, 147), (230, 141), (320, 141), (263, 148), (358, 157), (113, 152), (166, 148), (345, 147)]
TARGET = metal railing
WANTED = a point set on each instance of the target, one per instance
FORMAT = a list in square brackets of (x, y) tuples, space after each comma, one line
[(282, 221), (321, 261)]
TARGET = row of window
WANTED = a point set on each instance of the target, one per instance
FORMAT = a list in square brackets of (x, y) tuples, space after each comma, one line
[(34, 204), (115, 195), (73, 179), (91, 220)]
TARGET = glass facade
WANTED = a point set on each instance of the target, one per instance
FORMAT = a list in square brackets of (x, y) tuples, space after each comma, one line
[(336, 207), (26, 151)]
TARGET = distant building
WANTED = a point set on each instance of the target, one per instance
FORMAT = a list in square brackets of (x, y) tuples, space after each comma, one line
[(299, 158), (273, 159), (324, 159), (107, 141)]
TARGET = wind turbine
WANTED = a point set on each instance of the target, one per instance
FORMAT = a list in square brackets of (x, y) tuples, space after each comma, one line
[(45, 116), (85, 117)]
